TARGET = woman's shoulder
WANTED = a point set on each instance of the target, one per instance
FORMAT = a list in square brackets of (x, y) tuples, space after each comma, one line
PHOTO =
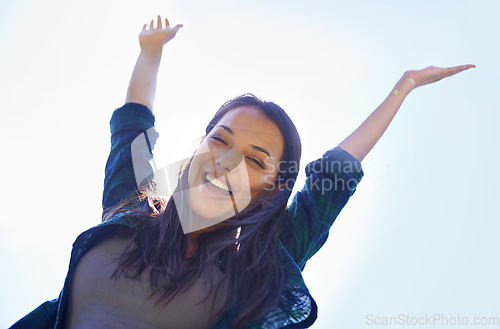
[(127, 218)]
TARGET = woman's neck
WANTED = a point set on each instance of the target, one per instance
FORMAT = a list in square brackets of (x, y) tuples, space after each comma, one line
[(192, 246)]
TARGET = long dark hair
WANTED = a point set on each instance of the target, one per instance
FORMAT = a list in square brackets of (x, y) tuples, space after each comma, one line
[(249, 271)]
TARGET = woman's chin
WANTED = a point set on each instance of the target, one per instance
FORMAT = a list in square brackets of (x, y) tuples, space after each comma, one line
[(208, 205), (211, 202), (215, 211), (210, 208)]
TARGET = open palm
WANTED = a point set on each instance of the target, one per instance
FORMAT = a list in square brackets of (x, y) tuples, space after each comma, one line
[(432, 74), (158, 35)]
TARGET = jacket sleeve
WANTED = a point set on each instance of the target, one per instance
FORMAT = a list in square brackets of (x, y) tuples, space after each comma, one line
[(43, 317), (331, 181), (132, 141)]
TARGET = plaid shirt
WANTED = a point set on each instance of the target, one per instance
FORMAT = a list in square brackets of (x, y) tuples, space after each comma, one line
[(331, 180)]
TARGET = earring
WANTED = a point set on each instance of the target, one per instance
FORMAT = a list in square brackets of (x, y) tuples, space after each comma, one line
[(237, 243)]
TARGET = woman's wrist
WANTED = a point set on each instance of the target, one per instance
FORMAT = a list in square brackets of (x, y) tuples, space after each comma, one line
[(152, 49), (151, 56), (404, 86), (410, 79)]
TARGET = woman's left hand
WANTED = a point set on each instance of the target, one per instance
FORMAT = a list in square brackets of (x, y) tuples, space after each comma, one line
[(432, 74), (157, 36)]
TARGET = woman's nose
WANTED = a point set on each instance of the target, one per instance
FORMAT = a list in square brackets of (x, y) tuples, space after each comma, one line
[(228, 161)]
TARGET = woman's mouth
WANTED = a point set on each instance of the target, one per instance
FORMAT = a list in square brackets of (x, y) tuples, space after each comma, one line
[(216, 187), (217, 182)]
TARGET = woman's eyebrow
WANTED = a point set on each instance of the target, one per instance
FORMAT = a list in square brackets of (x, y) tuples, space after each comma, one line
[(226, 128), (255, 147), (260, 149)]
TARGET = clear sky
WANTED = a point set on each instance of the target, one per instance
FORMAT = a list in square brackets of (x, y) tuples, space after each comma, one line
[(419, 237)]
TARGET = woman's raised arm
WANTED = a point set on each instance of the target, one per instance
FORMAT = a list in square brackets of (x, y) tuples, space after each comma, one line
[(142, 86), (362, 140), (134, 119)]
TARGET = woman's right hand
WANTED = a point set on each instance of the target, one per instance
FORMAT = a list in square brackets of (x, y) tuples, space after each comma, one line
[(433, 74), (159, 35)]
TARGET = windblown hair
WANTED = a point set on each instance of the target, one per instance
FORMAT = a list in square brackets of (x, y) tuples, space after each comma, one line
[(252, 275)]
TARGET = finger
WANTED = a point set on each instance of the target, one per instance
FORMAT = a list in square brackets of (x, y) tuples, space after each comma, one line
[(177, 27), (456, 69), (144, 27), (167, 23), (158, 25), (151, 26), (464, 67)]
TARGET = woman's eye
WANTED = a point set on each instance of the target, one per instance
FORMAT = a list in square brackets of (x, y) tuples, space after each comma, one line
[(258, 162), (218, 139)]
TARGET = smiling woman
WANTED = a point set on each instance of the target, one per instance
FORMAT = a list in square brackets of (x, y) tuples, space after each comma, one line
[(242, 149), (225, 251)]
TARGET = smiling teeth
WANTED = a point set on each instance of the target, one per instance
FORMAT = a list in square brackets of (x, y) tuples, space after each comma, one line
[(217, 182)]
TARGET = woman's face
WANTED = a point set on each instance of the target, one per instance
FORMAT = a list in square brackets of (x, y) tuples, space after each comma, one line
[(236, 164)]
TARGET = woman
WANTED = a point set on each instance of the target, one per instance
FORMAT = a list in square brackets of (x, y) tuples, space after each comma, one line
[(225, 251)]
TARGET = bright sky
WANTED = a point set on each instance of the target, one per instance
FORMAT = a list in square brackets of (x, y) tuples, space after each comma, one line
[(420, 235)]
